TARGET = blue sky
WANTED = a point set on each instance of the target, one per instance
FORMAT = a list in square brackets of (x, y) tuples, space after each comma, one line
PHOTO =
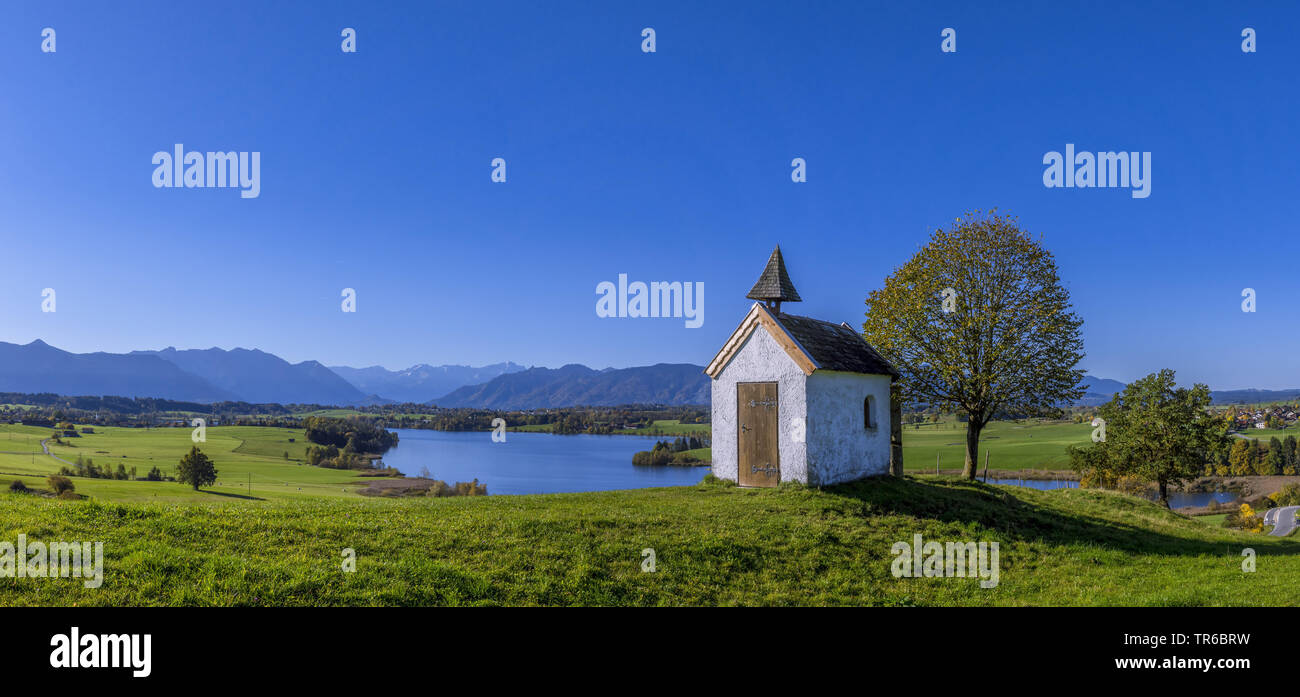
[(375, 172)]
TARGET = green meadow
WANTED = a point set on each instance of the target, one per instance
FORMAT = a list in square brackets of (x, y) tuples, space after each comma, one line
[(332, 413), (250, 463), (281, 540), (669, 427), (1009, 445), (1266, 433), (713, 544)]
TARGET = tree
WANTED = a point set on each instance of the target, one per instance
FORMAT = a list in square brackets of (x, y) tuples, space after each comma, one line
[(978, 321), (1156, 431), (1290, 456), (60, 484), (196, 469), (1272, 462), (1239, 461)]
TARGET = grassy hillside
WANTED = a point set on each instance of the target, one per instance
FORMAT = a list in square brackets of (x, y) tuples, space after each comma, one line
[(242, 454), (714, 544)]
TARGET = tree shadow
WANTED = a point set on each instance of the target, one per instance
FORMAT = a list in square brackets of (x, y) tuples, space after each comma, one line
[(246, 497), (954, 500)]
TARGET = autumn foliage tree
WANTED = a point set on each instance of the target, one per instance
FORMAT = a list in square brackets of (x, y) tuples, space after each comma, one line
[(978, 322), (1242, 458)]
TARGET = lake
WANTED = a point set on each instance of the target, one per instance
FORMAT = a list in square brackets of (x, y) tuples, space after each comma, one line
[(534, 463), (1177, 499)]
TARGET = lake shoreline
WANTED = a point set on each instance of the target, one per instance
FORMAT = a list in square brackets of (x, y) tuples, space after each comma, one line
[(533, 462)]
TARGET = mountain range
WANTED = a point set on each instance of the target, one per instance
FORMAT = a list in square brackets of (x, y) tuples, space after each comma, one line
[(39, 367), (421, 383), (259, 377), (1100, 390), (574, 384), (251, 375)]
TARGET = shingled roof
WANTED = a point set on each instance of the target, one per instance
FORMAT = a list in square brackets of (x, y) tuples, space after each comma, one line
[(835, 346), (811, 343), (774, 283)]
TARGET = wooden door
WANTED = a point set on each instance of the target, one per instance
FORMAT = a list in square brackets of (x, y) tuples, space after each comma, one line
[(757, 422)]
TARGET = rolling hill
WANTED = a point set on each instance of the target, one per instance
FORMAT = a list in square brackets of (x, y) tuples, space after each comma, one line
[(574, 384)]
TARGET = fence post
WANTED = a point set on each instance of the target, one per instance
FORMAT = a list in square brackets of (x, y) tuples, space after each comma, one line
[(895, 430)]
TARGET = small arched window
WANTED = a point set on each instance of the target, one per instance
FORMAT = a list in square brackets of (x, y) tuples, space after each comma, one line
[(866, 413)]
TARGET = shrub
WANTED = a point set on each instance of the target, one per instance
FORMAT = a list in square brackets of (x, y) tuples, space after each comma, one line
[(1245, 519), (711, 480), (440, 488), (661, 455), (61, 484), (17, 487), (471, 488), (1288, 495)]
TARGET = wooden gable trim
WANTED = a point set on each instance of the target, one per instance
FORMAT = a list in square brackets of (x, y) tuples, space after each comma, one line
[(759, 315), (733, 344), (787, 342)]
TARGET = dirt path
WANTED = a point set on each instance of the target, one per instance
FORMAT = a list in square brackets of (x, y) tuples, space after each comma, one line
[(46, 448)]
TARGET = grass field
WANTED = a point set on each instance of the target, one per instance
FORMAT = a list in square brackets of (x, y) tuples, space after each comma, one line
[(669, 427), (334, 413), (702, 454), (714, 545), (250, 463), (532, 428), (1008, 445), (1265, 433)]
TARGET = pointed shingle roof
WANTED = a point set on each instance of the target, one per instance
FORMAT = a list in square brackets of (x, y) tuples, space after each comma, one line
[(775, 283)]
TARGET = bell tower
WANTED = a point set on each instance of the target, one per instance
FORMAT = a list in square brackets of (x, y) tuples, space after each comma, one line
[(773, 286)]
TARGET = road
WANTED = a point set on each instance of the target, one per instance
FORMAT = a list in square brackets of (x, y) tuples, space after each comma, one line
[(56, 457), (1282, 519)]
